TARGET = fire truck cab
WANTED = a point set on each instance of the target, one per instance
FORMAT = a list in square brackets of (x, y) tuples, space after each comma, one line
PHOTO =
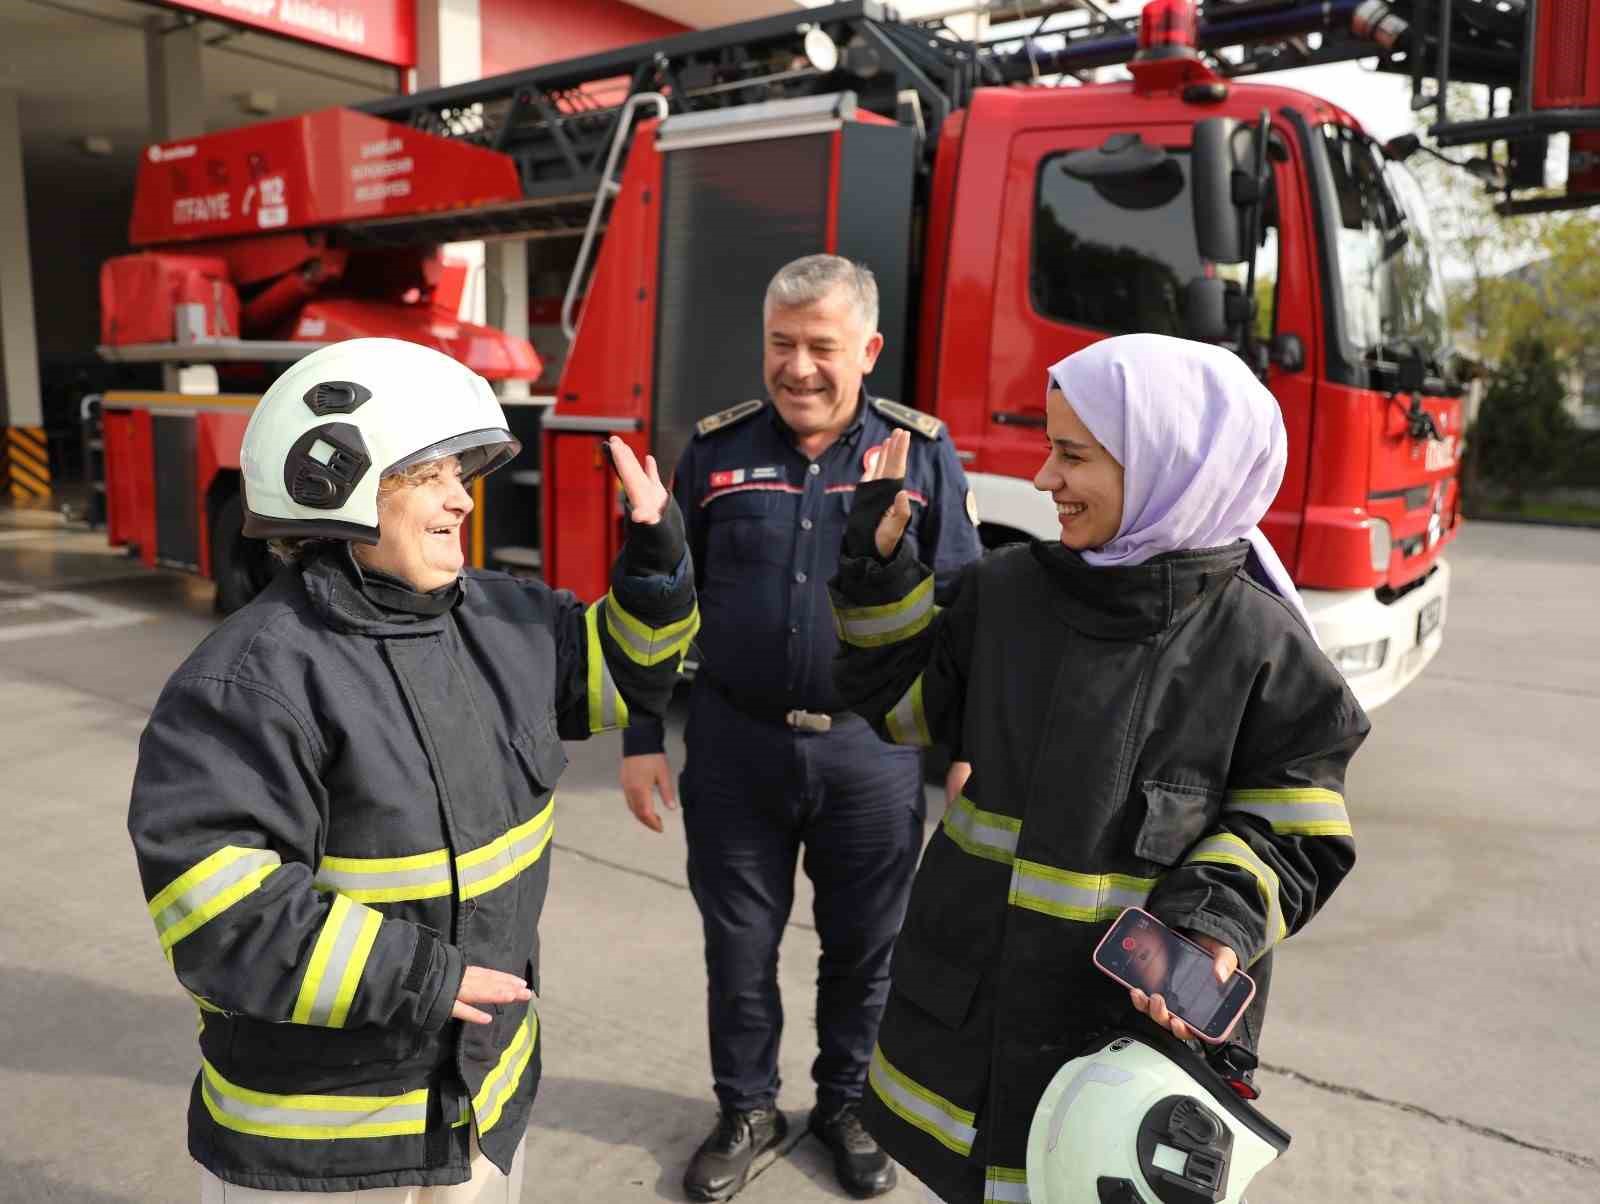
[(1008, 223)]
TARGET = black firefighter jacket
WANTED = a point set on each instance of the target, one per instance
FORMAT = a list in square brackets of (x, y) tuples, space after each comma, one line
[(1167, 735), (336, 809)]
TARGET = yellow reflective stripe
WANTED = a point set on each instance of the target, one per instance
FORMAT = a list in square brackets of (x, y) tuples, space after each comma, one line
[(501, 1083), (647, 645), (311, 1117), (1227, 849), (607, 709), (387, 879), (1295, 810), (891, 623), (986, 834), (337, 961), (207, 889), (506, 856), (907, 721), (1005, 1185), (921, 1108), (1068, 895)]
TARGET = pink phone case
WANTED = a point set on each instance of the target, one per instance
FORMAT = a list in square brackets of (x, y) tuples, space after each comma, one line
[(1101, 966)]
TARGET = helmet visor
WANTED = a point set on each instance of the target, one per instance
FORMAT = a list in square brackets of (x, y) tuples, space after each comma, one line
[(480, 452)]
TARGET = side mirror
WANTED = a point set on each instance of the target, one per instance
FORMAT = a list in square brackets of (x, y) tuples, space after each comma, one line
[(1288, 352), (1216, 217), (1205, 310)]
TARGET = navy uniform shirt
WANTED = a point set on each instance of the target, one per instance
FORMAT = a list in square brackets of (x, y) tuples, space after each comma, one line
[(765, 525)]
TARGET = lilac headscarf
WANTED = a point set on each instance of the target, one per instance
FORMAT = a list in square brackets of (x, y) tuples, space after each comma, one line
[(1201, 444)]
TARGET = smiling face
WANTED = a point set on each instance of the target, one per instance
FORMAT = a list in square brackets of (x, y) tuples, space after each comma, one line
[(1081, 478), (420, 513), (815, 356)]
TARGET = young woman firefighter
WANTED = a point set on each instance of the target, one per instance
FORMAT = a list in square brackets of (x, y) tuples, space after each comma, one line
[(343, 804), (1149, 722)]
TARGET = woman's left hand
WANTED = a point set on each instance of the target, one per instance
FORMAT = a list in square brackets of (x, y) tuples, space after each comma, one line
[(890, 465), (647, 496), (1224, 962)]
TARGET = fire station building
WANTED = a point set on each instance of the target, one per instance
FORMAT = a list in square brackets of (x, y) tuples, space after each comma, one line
[(87, 85)]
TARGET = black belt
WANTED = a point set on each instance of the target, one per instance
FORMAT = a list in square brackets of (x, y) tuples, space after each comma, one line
[(795, 717)]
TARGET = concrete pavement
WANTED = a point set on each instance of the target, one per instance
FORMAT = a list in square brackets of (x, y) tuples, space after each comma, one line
[(1431, 1036)]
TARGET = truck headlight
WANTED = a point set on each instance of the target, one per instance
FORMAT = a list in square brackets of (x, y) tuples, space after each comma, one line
[(1355, 659), (1382, 543)]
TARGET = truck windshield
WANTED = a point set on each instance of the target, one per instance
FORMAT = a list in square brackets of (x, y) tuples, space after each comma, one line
[(1388, 288)]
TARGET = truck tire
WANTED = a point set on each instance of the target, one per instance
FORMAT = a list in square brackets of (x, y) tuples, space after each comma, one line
[(241, 567)]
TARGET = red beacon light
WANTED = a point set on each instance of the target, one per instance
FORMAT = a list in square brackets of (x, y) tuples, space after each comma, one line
[(1168, 56), (1167, 30)]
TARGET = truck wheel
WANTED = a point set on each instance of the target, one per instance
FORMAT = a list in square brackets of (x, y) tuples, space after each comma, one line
[(241, 567)]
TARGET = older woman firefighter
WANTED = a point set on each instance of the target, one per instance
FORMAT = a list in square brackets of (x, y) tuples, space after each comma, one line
[(1149, 720), (343, 805)]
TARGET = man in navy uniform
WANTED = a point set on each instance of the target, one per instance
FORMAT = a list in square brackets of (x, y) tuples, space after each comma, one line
[(773, 763)]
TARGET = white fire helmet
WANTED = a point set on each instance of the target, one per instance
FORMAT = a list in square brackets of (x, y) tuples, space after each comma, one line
[(347, 415), (1139, 1120)]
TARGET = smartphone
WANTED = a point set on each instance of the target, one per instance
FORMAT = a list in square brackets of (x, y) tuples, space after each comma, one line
[(1142, 953)]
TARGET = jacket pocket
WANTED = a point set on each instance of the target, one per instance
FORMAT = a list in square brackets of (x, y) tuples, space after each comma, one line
[(1175, 817), (257, 1042), (542, 754), (938, 987)]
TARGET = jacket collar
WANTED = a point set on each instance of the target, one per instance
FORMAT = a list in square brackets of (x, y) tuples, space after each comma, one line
[(364, 602), (1137, 601)]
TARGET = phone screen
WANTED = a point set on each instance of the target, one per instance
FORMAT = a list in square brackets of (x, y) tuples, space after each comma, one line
[(1142, 952)]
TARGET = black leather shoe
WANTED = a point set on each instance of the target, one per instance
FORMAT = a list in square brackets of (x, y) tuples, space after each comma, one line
[(863, 1168), (722, 1163)]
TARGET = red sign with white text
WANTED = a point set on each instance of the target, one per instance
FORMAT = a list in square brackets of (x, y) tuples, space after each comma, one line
[(385, 30), (318, 169)]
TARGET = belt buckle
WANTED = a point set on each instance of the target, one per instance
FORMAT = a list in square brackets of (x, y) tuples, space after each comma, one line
[(809, 721)]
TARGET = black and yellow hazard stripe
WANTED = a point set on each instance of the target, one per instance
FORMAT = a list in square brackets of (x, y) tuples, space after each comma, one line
[(27, 465)]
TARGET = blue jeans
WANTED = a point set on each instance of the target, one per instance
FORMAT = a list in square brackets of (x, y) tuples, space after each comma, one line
[(755, 794)]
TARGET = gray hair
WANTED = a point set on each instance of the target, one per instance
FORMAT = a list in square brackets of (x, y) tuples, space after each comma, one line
[(809, 279)]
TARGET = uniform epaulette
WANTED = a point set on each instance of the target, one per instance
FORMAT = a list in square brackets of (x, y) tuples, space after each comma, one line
[(728, 417), (925, 425)]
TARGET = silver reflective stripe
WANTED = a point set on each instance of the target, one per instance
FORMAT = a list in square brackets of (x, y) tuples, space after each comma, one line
[(387, 879), (312, 1117), (982, 833), (503, 858), (501, 1083), (1227, 849), (337, 962), (644, 644), (607, 710), (1067, 895), (1005, 1185), (1294, 811), (913, 1103), (907, 721), (207, 889), (874, 626)]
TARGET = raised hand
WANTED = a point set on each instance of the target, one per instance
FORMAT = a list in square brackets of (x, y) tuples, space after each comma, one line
[(647, 496), (890, 465)]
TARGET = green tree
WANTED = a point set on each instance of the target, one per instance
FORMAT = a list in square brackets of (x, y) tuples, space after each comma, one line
[(1524, 438)]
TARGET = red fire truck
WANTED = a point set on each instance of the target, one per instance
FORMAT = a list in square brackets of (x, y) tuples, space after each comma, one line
[(1008, 223)]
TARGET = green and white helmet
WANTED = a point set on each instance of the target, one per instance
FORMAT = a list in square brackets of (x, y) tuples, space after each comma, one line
[(347, 415), (1135, 1121)]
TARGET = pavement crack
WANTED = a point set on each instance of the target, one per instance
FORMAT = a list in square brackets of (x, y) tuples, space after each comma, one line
[(1583, 1161), (649, 876)]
